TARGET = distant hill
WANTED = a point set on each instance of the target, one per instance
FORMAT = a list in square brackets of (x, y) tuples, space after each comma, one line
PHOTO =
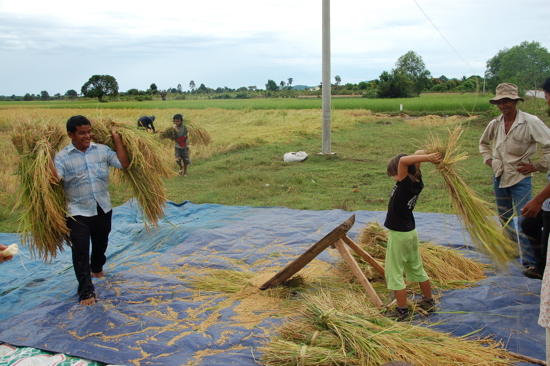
[(300, 87)]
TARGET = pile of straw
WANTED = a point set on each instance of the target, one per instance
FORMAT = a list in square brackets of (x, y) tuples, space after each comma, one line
[(149, 162), (42, 198), (198, 135), (446, 267), (341, 330), (474, 214)]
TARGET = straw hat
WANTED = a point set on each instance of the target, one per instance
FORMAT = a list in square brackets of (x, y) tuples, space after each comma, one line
[(506, 90)]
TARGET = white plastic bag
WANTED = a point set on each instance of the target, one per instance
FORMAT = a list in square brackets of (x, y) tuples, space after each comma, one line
[(295, 156)]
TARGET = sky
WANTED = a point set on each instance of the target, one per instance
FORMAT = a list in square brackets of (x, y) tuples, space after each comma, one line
[(57, 45)]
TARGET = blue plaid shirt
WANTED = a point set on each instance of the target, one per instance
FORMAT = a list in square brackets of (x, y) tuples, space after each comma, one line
[(86, 177)]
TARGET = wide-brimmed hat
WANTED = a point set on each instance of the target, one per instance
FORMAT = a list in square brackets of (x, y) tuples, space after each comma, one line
[(506, 90)]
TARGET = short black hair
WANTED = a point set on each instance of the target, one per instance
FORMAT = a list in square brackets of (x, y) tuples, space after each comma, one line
[(178, 116), (546, 85), (77, 121)]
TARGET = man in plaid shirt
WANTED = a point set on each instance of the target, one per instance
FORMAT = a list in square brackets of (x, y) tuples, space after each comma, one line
[(84, 168)]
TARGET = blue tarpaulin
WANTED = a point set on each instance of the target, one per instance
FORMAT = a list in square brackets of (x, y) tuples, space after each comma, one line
[(147, 314)]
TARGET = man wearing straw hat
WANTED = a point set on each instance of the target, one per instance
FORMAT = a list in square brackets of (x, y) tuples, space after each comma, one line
[(84, 167), (514, 136)]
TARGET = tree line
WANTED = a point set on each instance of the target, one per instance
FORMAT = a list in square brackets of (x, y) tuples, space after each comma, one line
[(527, 65)]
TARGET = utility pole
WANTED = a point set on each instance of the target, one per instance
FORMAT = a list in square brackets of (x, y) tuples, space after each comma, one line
[(326, 85)]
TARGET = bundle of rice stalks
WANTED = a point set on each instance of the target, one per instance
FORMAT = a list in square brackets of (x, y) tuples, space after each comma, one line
[(42, 224), (196, 133), (233, 281), (374, 238), (149, 162), (364, 337), (474, 214)]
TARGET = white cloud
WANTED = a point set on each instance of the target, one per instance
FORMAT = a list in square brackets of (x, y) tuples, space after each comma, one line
[(57, 45)]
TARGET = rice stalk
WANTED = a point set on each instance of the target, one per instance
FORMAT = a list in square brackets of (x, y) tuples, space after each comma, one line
[(149, 162), (280, 352), (222, 280), (473, 213), (362, 336), (197, 134), (42, 224)]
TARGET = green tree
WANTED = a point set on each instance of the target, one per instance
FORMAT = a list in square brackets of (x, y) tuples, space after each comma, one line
[(44, 95), (282, 83), (203, 89), (154, 88), (192, 85), (28, 97), (396, 84), (290, 80), (71, 94), (99, 86), (338, 79), (180, 89), (526, 65), (271, 85), (414, 68)]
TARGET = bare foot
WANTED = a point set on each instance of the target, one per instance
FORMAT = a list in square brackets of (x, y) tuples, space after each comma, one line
[(185, 175), (88, 302), (181, 171), (98, 275)]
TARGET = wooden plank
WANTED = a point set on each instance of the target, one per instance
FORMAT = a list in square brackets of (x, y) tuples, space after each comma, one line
[(310, 254), (344, 252), (366, 256)]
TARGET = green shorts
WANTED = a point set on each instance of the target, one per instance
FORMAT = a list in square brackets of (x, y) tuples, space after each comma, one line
[(182, 154), (402, 255)]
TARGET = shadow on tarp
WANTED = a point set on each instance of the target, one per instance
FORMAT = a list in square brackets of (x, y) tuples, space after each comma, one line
[(148, 315)]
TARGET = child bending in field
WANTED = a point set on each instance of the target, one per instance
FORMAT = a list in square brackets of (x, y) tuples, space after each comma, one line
[(402, 254)]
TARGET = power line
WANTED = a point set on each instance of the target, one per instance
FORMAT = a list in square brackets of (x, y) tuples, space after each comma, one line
[(441, 34)]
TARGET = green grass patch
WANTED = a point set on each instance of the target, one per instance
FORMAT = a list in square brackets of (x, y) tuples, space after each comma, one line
[(433, 103)]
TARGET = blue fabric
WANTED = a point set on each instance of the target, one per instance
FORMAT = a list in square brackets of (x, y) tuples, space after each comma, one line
[(512, 199), (38, 301)]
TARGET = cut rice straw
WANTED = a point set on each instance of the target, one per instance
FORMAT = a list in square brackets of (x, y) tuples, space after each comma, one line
[(42, 198), (197, 135), (149, 162), (476, 217), (342, 330)]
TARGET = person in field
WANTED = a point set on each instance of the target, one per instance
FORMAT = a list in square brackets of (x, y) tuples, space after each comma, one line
[(507, 145), (147, 123), (83, 166), (531, 209), (182, 144), (402, 253)]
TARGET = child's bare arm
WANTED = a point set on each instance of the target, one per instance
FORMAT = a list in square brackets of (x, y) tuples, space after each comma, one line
[(405, 161)]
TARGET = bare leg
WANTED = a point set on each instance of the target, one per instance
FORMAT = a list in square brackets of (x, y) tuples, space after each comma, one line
[(401, 298), (98, 275), (184, 170), (426, 289)]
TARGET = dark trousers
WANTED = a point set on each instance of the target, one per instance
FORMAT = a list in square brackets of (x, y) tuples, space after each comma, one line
[(537, 230), (83, 228)]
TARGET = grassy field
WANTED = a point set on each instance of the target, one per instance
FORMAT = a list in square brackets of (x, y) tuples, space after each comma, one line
[(443, 104), (244, 165)]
